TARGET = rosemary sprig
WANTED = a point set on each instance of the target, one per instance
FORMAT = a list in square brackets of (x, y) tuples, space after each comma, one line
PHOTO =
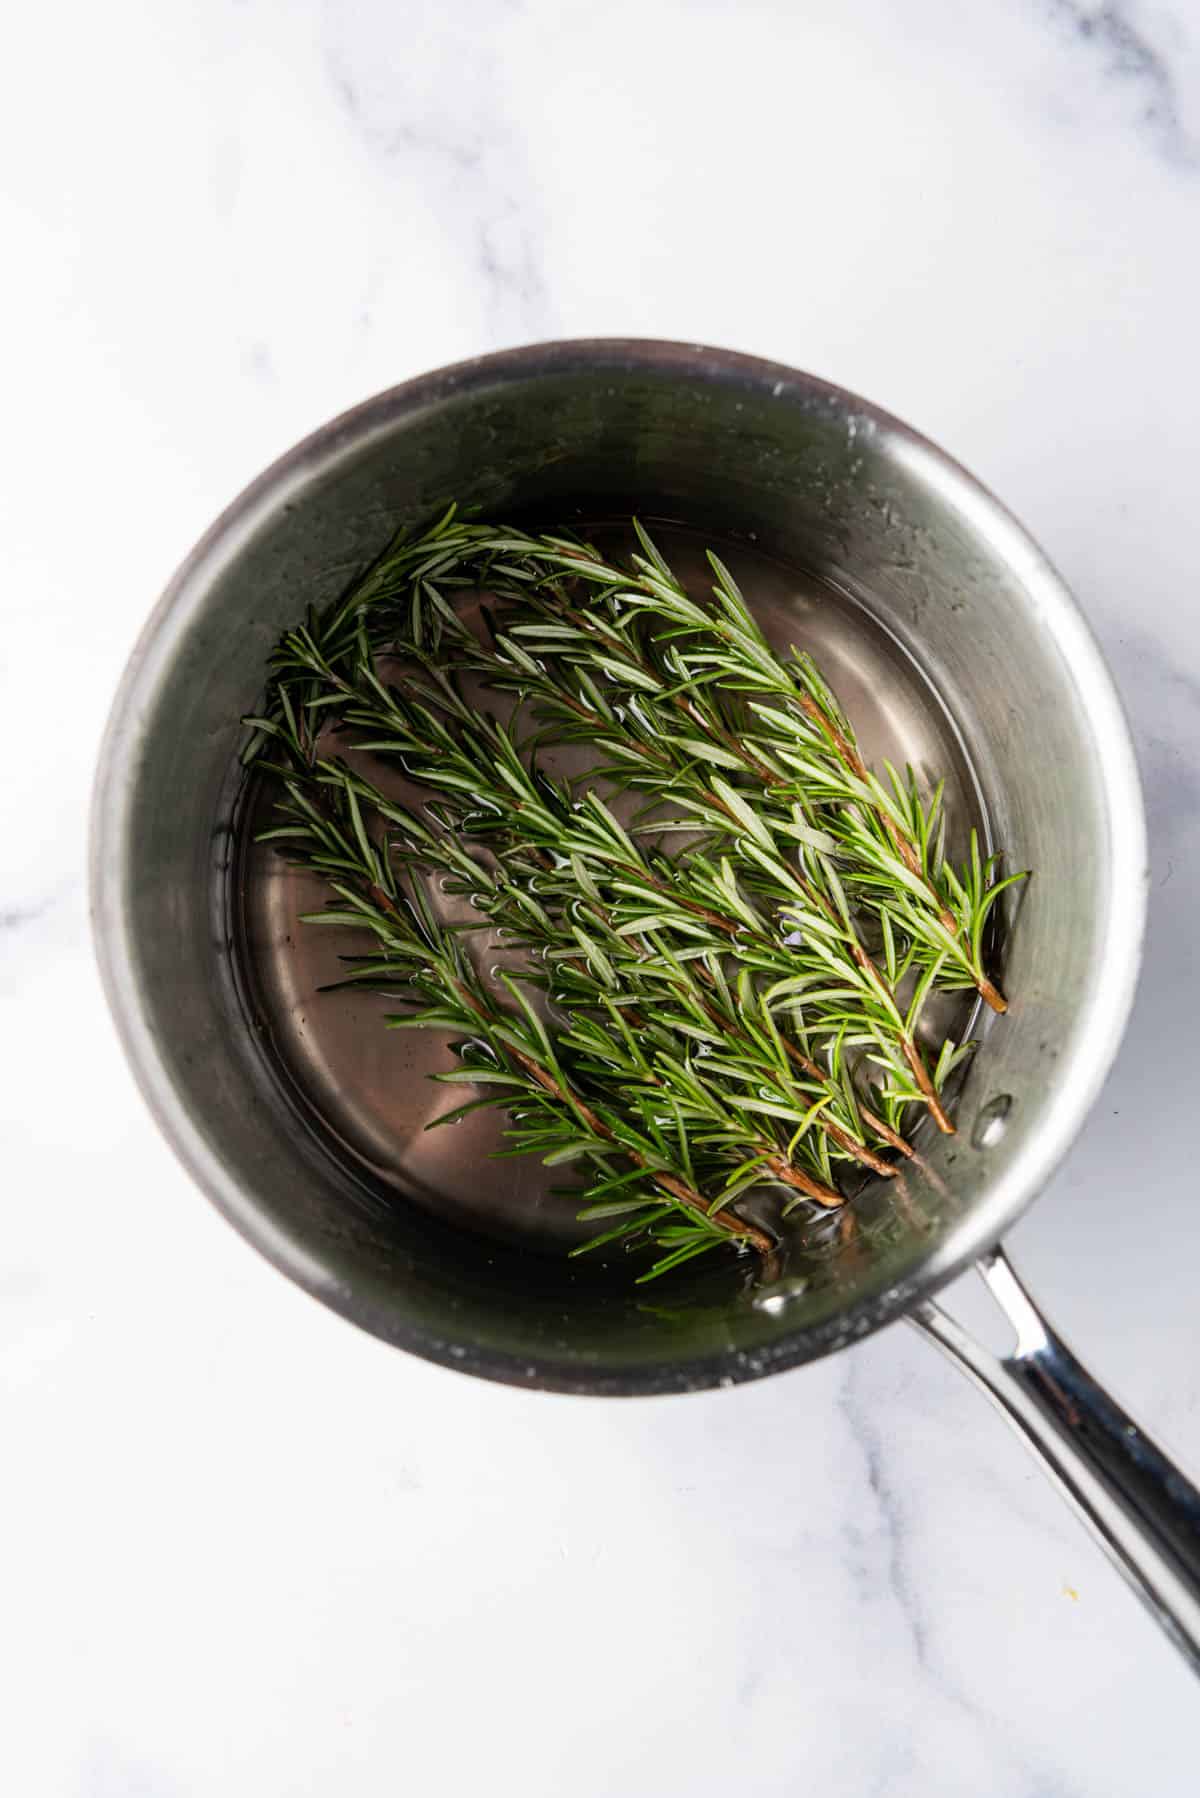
[(555, 1110), (797, 746), (800, 746), (570, 921), (594, 969), (706, 1021), (726, 1139), (440, 741)]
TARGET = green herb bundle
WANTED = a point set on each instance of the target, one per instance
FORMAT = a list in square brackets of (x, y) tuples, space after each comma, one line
[(686, 1028)]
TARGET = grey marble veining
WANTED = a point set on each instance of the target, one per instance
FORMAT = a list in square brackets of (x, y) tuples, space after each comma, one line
[(1137, 55), (245, 1549), (447, 117)]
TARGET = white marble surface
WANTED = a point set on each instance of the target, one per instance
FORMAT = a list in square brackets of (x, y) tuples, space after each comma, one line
[(243, 1549)]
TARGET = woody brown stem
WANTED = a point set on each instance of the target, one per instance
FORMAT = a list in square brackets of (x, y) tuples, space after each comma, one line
[(805, 1183), (991, 995), (888, 1134), (929, 1092), (859, 1150)]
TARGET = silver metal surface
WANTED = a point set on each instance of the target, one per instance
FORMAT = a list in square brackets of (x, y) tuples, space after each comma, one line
[(1139, 1506)]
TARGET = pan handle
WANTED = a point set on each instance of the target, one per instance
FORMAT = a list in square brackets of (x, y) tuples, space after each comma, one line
[(1139, 1506)]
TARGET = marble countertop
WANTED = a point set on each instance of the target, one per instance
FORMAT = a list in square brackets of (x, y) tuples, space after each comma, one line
[(244, 1549)]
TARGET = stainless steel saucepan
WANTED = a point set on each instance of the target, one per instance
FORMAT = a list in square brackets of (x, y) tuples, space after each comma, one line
[(951, 641)]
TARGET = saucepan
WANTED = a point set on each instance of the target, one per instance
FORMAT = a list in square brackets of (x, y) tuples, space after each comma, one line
[(944, 627)]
